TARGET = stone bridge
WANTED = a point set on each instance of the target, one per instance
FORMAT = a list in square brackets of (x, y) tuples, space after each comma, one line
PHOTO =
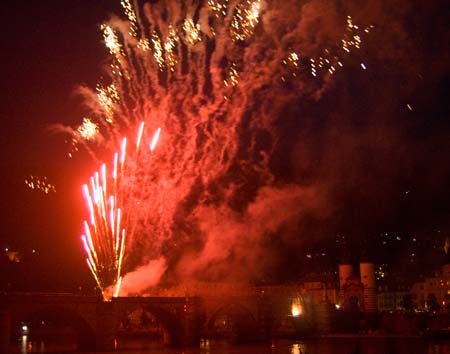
[(184, 320)]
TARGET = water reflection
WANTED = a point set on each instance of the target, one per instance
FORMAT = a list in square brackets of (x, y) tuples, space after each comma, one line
[(24, 344), (298, 348), (206, 346), (27, 346)]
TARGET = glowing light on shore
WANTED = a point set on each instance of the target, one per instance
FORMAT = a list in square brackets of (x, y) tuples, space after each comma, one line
[(296, 307)]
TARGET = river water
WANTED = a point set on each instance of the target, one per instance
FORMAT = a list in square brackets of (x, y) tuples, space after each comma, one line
[(343, 345)]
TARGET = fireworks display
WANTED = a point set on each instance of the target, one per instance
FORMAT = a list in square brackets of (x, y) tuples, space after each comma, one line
[(106, 195), (203, 75), (41, 184), (88, 130)]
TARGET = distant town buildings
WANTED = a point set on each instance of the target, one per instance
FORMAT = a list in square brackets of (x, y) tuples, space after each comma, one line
[(433, 292)]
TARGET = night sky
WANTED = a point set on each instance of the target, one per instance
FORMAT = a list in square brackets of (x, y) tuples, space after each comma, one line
[(376, 145), (50, 48)]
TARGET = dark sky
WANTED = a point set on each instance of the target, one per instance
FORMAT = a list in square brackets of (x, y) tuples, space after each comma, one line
[(49, 48), (386, 167)]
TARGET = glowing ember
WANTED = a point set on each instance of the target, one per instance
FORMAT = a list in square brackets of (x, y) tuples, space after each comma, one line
[(108, 97), (131, 15), (192, 31), (112, 42), (88, 130), (219, 7), (245, 19), (157, 46), (41, 184)]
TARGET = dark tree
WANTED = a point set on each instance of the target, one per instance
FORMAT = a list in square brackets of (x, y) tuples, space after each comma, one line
[(408, 303), (447, 303), (432, 303)]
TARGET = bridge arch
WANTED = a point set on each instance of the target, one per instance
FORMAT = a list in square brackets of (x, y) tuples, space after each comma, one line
[(48, 317), (234, 321), (169, 319)]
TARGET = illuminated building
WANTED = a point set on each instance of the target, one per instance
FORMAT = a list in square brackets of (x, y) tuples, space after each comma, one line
[(391, 297), (437, 286)]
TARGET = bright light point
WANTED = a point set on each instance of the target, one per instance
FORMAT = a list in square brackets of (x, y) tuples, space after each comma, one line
[(139, 137), (155, 139), (88, 130), (363, 66), (192, 31), (108, 97), (409, 107), (337, 306), (111, 40), (24, 329), (117, 290), (296, 311), (296, 308), (245, 19), (123, 150)]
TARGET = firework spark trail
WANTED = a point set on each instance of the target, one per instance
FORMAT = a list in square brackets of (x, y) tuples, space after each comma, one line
[(40, 183), (205, 75), (104, 237)]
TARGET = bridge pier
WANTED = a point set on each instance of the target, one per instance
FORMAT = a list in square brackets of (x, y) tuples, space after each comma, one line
[(265, 318), (191, 322), (5, 331), (106, 326)]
